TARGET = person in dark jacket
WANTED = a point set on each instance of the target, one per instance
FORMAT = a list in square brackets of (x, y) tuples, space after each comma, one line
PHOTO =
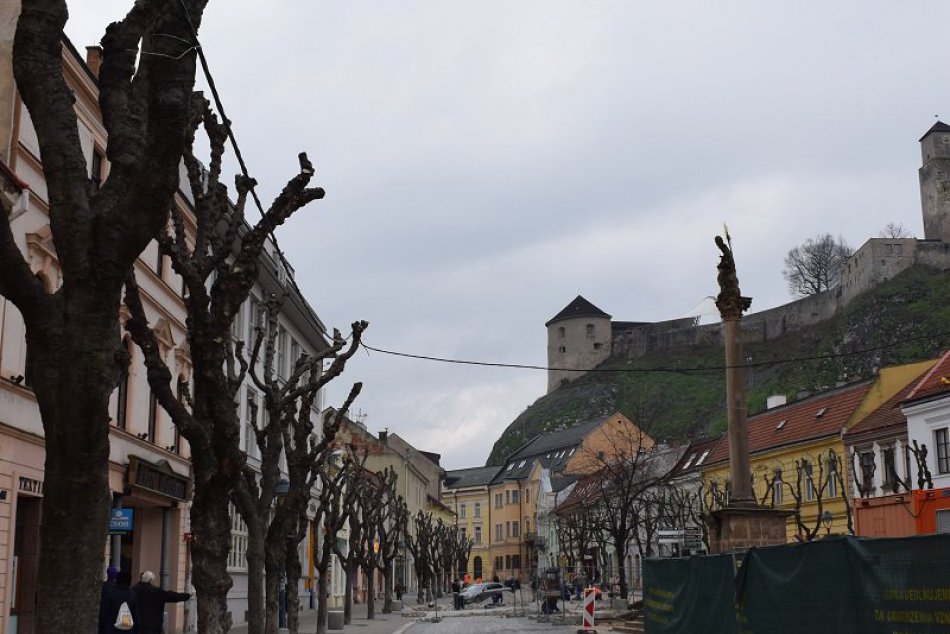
[(152, 600), (113, 596)]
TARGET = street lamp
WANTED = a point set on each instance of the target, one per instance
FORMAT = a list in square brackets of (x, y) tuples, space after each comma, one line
[(826, 520), (281, 489)]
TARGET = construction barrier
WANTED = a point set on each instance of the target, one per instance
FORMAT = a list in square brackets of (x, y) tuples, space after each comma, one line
[(841, 585)]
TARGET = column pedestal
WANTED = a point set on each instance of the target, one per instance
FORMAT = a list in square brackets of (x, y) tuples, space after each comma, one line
[(737, 528)]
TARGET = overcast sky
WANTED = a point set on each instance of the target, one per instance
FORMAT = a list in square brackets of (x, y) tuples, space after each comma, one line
[(485, 162)]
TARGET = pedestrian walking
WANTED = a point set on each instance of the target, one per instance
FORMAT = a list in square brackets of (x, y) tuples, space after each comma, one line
[(456, 594), (151, 603), (114, 597)]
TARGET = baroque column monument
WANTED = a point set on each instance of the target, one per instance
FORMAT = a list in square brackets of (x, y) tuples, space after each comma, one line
[(742, 524)]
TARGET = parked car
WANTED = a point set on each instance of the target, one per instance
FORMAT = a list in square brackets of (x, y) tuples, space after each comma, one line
[(478, 592)]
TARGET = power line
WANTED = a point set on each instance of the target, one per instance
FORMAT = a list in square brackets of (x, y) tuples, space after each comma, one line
[(219, 105), (657, 369)]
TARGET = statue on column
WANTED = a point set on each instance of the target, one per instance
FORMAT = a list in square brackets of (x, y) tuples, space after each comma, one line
[(730, 302)]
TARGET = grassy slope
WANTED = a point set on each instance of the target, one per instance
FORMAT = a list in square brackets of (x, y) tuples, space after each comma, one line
[(912, 309)]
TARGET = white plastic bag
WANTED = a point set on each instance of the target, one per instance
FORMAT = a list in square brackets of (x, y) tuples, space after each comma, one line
[(123, 621)]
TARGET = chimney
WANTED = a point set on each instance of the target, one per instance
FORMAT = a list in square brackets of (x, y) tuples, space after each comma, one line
[(94, 59), (775, 400), (384, 436)]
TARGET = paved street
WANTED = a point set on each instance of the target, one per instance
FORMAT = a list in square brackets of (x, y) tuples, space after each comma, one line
[(487, 625)]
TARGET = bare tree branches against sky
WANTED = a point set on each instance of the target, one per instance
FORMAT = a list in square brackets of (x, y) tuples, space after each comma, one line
[(485, 162)]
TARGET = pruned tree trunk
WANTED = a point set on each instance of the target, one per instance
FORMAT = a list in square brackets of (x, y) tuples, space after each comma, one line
[(348, 592), (211, 542), (388, 588), (254, 554), (294, 571), (73, 332), (370, 593)]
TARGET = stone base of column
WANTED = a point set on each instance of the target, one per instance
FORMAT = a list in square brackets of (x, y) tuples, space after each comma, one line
[(737, 528)]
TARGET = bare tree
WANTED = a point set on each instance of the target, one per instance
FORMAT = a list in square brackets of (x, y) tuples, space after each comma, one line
[(627, 468), (72, 333), (815, 265), (420, 545), (391, 529), (809, 487), (894, 230), (333, 514), (286, 431), (219, 264)]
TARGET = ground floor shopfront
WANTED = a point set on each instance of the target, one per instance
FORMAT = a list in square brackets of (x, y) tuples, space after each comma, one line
[(149, 495)]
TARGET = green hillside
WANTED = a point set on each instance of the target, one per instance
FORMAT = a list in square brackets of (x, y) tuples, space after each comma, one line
[(905, 319)]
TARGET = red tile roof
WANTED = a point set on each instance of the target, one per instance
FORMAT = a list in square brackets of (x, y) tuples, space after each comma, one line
[(824, 414), (888, 415), (937, 381), (696, 455)]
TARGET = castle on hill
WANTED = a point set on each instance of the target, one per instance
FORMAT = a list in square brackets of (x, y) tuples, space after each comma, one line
[(581, 336)]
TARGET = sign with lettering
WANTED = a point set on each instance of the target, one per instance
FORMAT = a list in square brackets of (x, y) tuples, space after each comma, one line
[(29, 485), (120, 520), (157, 479)]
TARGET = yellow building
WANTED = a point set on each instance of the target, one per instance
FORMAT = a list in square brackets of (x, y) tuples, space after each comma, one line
[(798, 458), (511, 526), (465, 491)]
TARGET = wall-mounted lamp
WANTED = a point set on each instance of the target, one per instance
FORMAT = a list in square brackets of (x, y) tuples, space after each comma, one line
[(826, 520)]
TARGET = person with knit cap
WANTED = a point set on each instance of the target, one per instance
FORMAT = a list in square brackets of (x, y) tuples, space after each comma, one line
[(151, 603)]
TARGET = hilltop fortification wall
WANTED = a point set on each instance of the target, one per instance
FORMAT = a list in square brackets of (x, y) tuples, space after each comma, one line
[(878, 260)]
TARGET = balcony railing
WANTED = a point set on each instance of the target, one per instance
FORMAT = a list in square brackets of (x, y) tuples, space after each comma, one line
[(530, 538)]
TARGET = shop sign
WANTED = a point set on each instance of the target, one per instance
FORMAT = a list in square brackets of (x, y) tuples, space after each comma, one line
[(157, 479), (29, 485), (120, 520)]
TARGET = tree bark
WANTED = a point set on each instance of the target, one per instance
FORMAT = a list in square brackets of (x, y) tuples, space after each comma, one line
[(348, 592), (255, 575), (388, 588), (73, 334), (370, 593)]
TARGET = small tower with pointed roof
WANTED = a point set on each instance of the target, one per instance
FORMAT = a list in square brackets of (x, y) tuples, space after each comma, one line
[(935, 182), (579, 338)]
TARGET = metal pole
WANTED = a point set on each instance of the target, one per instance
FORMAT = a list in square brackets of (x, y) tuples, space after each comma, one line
[(164, 573), (115, 556)]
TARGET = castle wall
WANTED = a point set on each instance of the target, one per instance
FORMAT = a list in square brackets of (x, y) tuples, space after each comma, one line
[(878, 260), (934, 254)]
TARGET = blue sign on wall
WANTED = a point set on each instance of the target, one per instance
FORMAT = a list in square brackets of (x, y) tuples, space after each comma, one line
[(120, 520)]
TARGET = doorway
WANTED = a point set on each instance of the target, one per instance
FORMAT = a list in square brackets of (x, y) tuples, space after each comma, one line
[(26, 554)]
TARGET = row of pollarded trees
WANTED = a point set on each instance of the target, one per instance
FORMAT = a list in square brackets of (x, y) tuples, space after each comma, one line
[(151, 115), (440, 553)]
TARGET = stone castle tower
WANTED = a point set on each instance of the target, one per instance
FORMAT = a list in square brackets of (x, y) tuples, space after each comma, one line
[(935, 182), (578, 337), (582, 336)]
